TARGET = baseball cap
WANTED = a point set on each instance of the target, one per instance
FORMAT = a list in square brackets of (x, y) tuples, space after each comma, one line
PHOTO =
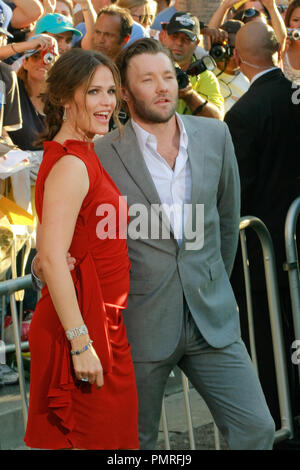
[(5, 17), (55, 23), (33, 51), (184, 22)]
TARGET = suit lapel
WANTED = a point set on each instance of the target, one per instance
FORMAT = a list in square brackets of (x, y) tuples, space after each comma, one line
[(129, 152)]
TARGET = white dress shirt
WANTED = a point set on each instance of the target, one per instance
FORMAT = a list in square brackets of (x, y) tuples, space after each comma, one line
[(174, 187), (260, 74)]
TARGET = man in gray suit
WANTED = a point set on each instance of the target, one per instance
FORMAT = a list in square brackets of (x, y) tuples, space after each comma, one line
[(181, 308)]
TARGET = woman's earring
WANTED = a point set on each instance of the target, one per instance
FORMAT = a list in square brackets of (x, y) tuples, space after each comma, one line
[(65, 115)]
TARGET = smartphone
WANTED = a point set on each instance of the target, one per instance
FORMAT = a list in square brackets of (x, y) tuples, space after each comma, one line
[(239, 4)]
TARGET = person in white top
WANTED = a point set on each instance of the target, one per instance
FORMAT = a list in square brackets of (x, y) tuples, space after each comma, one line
[(291, 56)]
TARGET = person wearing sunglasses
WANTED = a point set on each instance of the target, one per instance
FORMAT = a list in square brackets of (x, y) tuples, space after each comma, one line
[(233, 83), (140, 13)]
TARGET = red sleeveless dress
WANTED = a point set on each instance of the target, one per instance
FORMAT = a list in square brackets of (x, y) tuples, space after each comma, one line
[(64, 412)]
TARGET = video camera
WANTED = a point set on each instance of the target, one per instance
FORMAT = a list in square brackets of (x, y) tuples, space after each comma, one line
[(196, 68), (293, 34), (221, 51)]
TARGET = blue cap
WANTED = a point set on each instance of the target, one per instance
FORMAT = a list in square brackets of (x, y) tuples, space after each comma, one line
[(55, 23), (5, 17)]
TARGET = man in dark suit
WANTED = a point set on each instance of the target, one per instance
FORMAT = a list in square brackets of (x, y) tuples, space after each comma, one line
[(264, 125)]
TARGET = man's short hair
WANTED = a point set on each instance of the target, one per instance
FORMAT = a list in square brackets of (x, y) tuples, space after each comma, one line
[(123, 14), (141, 46)]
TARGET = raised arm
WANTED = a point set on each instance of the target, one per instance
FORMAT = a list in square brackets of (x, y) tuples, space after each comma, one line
[(276, 21), (90, 17), (41, 43), (220, 14)]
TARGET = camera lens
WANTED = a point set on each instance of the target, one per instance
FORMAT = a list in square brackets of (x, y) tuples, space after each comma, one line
[(218, 52), (296, 35)]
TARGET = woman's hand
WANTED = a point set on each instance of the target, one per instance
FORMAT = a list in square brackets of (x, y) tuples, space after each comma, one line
[(87, 364)]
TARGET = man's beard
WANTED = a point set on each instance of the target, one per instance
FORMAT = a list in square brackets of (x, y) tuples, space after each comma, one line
[(148, 115)]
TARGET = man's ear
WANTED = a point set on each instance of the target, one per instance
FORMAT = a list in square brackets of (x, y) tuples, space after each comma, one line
[(162, 35), (237, 57)]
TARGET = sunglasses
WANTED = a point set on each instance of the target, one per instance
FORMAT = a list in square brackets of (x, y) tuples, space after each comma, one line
[(251, 13)]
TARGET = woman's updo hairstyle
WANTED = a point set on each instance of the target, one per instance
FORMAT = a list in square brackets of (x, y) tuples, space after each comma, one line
[(70, 71)]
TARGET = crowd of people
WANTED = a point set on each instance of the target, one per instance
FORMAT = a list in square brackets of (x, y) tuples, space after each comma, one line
[(135, 103)]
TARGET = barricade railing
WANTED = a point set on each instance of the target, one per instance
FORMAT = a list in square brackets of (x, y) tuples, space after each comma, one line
[(286, 430), (9, 288), (188, 413), (292, 265)]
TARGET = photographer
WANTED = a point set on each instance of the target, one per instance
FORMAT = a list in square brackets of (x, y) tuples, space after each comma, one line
[(202, 95), (233, 83)]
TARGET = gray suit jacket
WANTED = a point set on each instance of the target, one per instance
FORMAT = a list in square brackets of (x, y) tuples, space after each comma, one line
[(161, 271)]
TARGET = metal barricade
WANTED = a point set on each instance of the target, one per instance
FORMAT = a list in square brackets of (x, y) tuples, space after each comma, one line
[(292, 265), (286, 430), (9, 288), (189, 421)]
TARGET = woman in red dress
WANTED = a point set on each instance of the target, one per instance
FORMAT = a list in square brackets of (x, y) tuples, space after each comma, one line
[(82, 388)]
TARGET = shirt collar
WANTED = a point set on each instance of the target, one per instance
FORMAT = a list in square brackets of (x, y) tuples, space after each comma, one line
[(144, 136), (260, 74)]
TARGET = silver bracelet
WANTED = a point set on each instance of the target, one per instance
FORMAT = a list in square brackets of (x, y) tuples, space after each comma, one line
[(85, 348), (75, 332)]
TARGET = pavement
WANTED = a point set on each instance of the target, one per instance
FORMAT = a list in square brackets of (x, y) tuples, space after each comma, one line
[(176, 434)]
